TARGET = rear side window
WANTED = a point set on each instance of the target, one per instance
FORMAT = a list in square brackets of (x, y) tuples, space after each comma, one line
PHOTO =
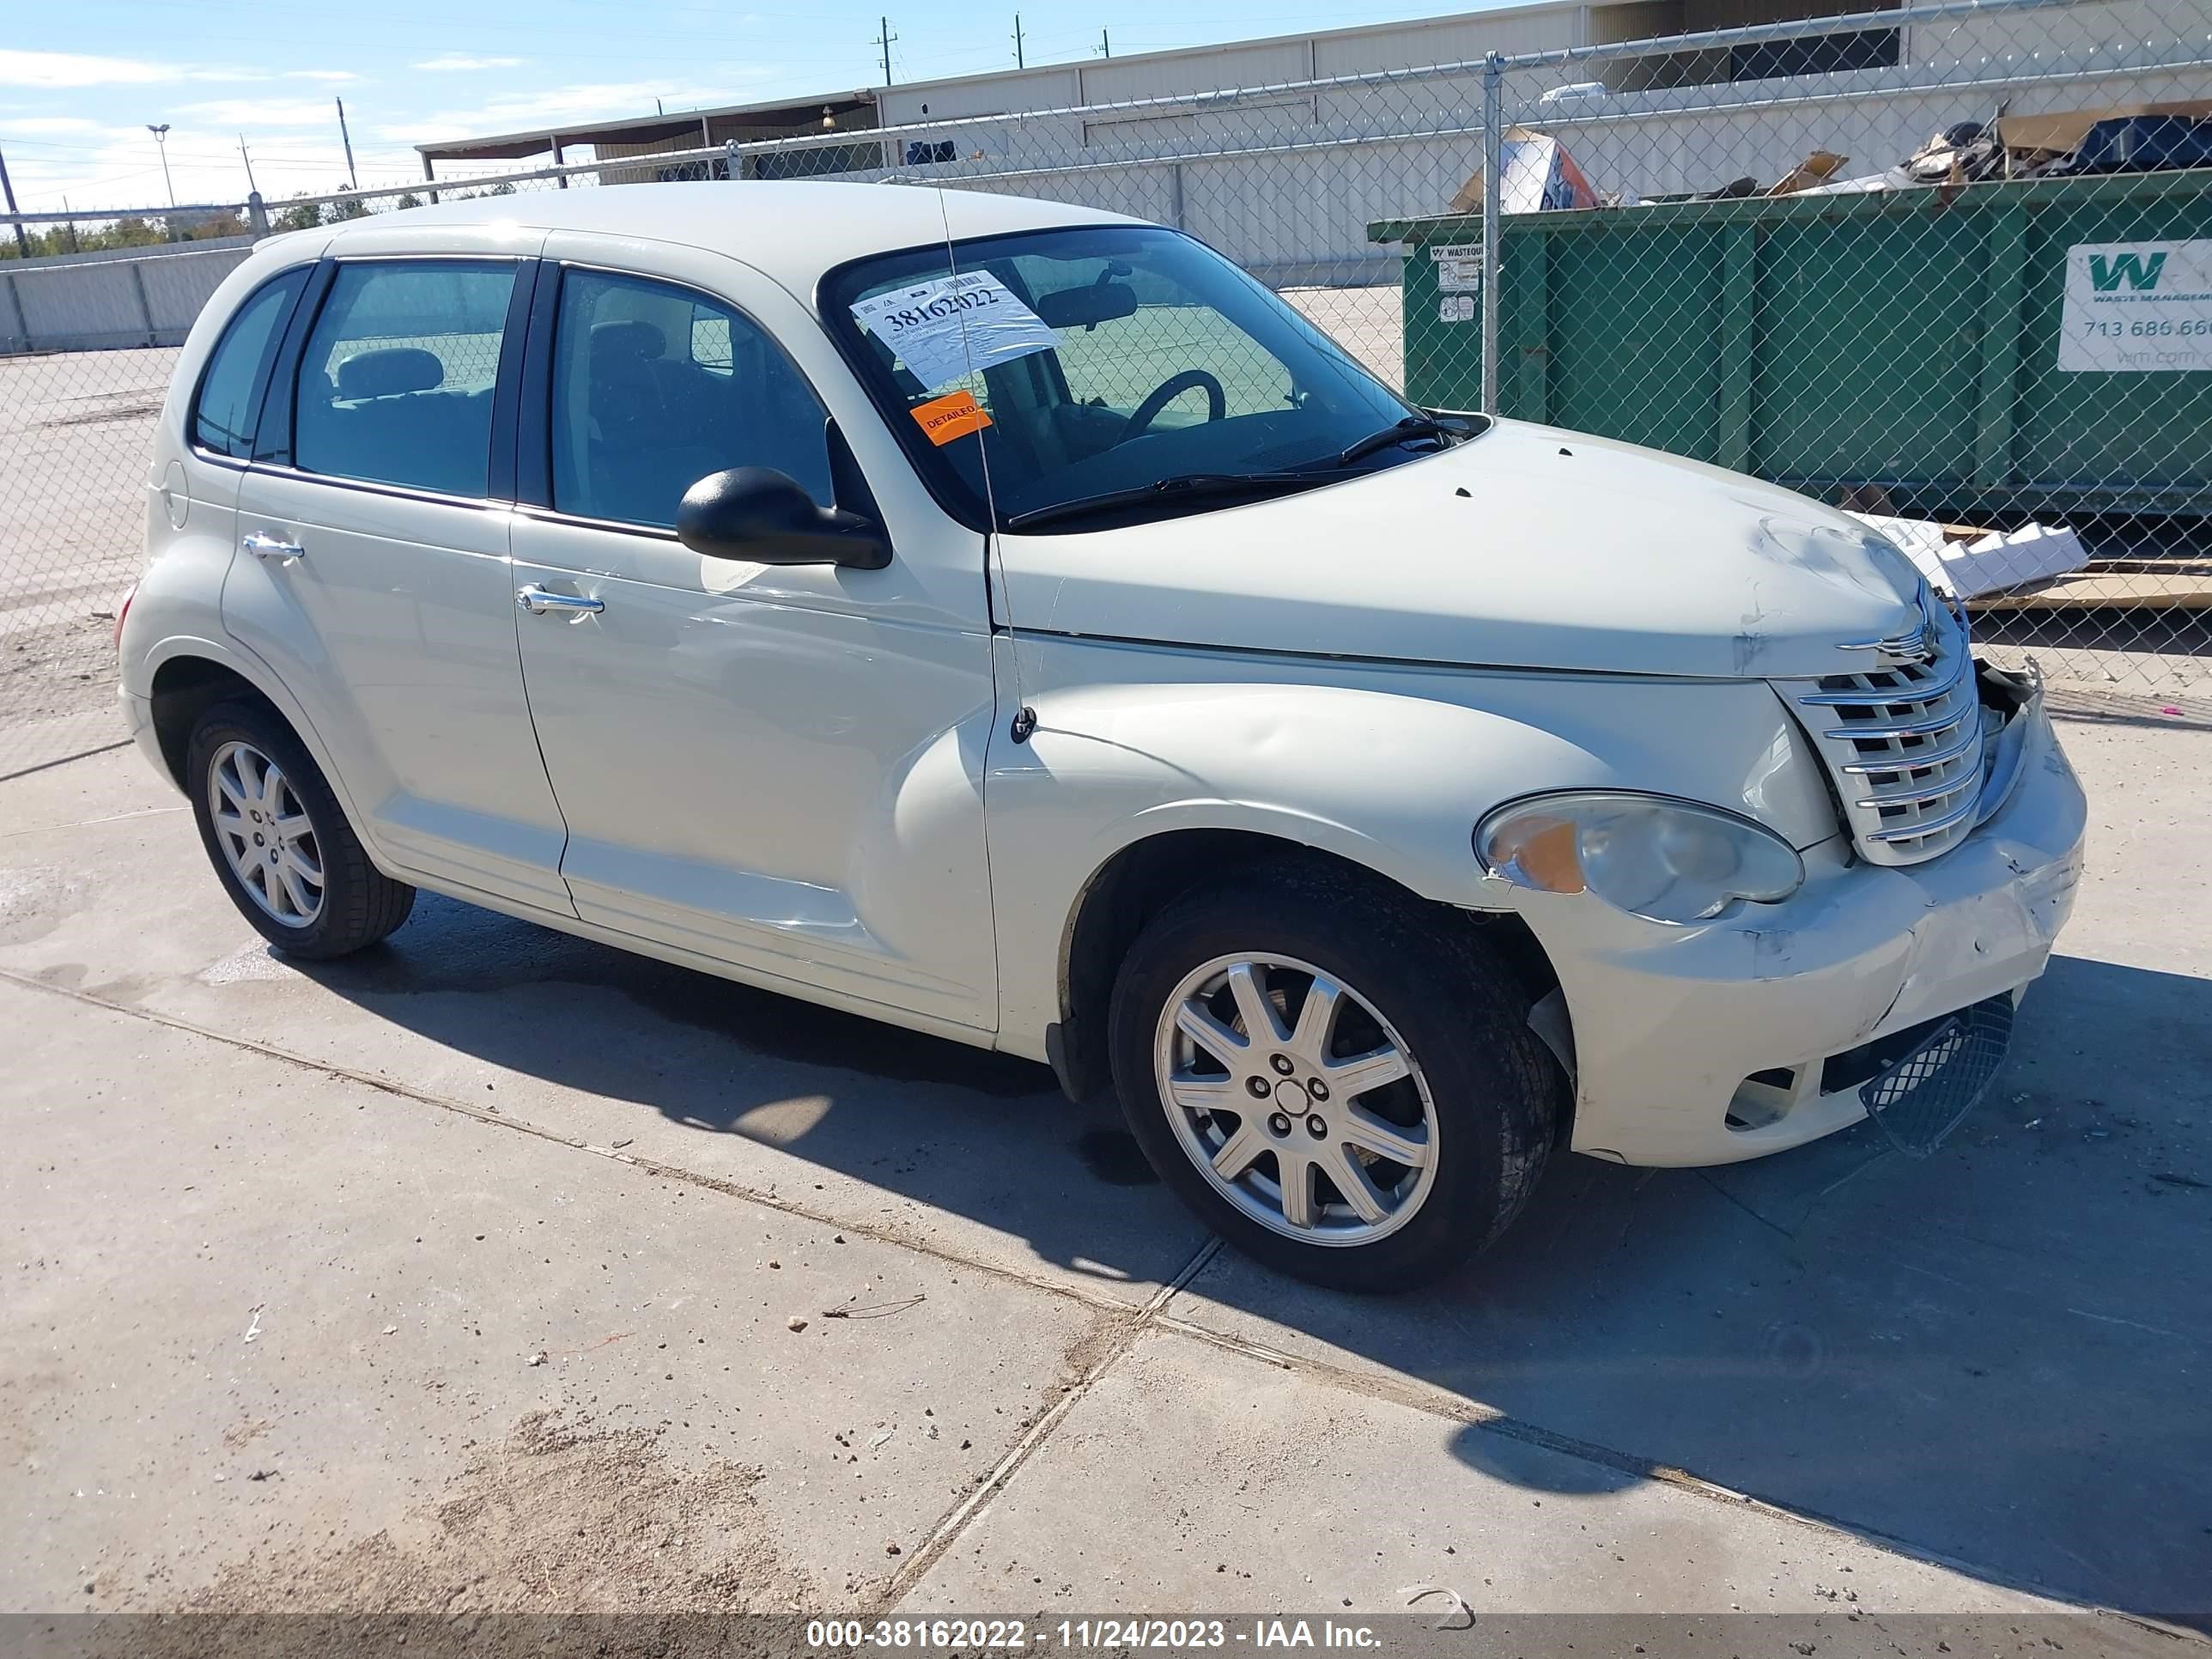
[(656, 386), (224, 412), (397, 379)]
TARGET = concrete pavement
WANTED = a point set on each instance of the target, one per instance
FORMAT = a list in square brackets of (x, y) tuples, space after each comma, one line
[(461, 1192)]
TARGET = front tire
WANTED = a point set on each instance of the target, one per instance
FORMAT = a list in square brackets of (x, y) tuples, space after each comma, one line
[(279, 845), (1341, 1082)]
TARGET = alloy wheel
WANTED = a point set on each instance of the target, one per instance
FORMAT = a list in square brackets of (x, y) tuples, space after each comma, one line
[(1296, 1099), (266, 834)]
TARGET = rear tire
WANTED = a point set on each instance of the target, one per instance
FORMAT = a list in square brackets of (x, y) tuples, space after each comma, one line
[(279, 845), (1449, 1077)]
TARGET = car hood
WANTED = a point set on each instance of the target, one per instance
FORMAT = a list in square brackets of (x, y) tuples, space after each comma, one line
[(1527, 547)]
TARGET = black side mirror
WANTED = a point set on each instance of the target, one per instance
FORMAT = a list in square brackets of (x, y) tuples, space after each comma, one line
[(757, 513)]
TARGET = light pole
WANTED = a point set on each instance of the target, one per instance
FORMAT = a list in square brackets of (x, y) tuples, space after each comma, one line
[(162, 143)]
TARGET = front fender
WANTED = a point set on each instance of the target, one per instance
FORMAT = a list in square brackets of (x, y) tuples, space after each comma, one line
[(1386, 766)]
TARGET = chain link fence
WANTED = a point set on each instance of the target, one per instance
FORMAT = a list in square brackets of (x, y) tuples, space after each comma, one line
[(1947, 266)]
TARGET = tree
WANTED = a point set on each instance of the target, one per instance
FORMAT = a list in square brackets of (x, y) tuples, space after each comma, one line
[(302, 216), (224, 222)]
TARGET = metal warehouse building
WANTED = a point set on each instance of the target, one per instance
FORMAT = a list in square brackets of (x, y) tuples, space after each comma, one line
[(1282, 151)]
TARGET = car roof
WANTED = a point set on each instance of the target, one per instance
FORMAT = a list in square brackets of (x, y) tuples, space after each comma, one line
[(794, 230)]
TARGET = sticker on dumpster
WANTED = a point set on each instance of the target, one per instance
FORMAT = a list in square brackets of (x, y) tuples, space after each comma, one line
[(947, 329), (1456, 308), (2136, 307), (1458, 272)]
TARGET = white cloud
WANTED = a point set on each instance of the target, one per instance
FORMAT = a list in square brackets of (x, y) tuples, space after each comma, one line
[(581, 102), (35, 125), (231, 113), (453, 61), (71, 68)]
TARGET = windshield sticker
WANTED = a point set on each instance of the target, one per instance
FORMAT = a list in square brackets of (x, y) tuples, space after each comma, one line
[(954, 415), (945, 330)]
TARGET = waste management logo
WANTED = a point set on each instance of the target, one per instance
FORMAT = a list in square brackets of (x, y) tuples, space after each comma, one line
[(2136, 308), (2141, 274)]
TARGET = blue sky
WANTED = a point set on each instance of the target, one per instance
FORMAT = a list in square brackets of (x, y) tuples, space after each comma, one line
[(79, 83)]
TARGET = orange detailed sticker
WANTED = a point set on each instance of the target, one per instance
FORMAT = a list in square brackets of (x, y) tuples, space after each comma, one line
[(954, 415)]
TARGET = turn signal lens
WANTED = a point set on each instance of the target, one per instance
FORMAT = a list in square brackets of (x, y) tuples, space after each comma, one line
[(1666, 860), (122, 614)]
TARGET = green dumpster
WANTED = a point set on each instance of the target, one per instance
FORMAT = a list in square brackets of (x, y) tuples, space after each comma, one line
[(1905, 338)]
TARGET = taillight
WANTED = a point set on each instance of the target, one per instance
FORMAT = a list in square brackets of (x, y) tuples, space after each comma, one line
[(123, 610)]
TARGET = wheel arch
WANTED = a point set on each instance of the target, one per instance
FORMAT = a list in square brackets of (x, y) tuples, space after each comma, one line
[(189, 674), (185, 688), (1145, 874)]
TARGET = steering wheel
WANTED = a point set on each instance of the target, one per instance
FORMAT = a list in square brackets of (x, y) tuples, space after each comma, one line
[(1217, 401)]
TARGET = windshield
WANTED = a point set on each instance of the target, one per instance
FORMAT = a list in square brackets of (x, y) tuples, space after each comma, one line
[(1096, 359)]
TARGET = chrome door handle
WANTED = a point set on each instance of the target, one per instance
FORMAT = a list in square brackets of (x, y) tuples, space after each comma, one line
[(274, 547), (539, 603)]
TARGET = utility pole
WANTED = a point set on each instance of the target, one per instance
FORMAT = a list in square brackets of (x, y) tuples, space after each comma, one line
[(345, 139), (76, 247), (1105, 44), (252, 188), (22, 241), (1018, 62), (883, 39)]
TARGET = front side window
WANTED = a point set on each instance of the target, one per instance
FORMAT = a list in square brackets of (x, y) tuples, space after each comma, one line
[(223, 414), (655, 386), (397, 379), (1094, 360)]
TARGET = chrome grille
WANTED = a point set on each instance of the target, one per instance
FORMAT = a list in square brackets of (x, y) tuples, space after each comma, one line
[(1902, 739)]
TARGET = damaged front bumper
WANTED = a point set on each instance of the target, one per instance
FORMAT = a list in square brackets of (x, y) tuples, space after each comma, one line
[(1873, 987)]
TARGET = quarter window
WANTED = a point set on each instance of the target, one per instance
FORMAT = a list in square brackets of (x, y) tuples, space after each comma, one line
[(655, 386), (224, 414), (396, 383)]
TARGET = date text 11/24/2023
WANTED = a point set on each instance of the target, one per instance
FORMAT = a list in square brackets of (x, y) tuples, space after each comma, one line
[(1080, 1635)]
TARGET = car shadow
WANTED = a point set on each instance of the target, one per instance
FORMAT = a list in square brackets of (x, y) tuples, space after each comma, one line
[(1994, 1356), (958, 1128)]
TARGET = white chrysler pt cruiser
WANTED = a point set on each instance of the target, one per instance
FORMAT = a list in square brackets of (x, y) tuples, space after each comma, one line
[(1014, 621)]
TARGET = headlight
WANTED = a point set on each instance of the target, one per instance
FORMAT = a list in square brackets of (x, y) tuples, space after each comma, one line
[(1667, 860)]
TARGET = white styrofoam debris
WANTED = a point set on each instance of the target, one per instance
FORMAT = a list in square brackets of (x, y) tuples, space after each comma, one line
[(1988, 564)]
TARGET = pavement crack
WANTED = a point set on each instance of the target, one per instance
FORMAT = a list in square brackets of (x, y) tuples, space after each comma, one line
[(1707, 1176), (1114, 1338)]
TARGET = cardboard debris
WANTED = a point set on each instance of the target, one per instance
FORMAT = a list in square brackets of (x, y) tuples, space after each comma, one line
[(1967, 562), (1815, 169), (2061, 134), (1535, 173)]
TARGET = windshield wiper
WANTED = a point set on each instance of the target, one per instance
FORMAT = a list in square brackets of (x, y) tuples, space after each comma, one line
[(1413, 427), (1188, 486)]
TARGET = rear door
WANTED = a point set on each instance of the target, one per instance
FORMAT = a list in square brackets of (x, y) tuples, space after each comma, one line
[(778, 768), (373, 527)]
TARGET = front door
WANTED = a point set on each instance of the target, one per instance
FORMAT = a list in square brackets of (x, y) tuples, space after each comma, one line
[(372, 572), (779, 768)]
